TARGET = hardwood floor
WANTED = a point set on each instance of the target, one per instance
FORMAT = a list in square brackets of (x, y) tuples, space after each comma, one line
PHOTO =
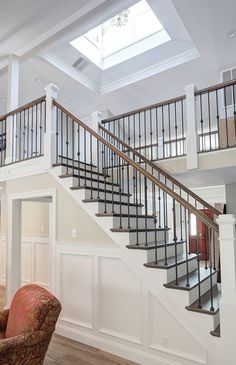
[(63, 351)]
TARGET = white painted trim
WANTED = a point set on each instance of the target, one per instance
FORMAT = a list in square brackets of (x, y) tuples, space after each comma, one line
[(150, 71), (18, 197), (120, 349), (68, 70)]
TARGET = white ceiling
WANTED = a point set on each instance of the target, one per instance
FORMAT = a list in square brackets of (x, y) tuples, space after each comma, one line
[(40, 26)]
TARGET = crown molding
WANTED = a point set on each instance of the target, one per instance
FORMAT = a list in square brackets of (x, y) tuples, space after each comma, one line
[(150, 71), (68, 70)]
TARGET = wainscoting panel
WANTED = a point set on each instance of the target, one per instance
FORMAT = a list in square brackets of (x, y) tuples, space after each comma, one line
[(106, 305), (120, 300), (76, 289), (35, 260)]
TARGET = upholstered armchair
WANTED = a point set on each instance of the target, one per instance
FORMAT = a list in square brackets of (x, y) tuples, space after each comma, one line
[(27, 327)]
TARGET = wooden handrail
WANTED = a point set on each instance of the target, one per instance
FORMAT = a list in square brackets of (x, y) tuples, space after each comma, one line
[(145, 173), (23, 107), (136, 111), (222, 85), (163, 172)]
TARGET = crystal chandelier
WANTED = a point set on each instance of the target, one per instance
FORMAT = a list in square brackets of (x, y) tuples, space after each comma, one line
[(120, 19)]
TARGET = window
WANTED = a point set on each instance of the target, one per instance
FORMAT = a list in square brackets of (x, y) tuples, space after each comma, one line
[(136, 26)]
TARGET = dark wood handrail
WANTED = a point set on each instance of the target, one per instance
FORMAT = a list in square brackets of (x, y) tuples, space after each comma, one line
[(222, 85), (136, 111), (145, 173), (163, 172), (23, 107)]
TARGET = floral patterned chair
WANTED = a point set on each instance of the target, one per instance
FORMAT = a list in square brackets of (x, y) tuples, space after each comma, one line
[(27, 327)]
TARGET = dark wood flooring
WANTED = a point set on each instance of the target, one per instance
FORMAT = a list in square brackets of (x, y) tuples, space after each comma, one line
[(63, 351)]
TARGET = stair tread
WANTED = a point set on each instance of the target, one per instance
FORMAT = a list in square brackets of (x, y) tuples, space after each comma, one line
[(171, 261), (125, 215), (216, 332), (206, 302), (133, 230), (88, 171), (76, 161), (100, 190), (151, 245), (64, 176), (193, 279), (96, 200)]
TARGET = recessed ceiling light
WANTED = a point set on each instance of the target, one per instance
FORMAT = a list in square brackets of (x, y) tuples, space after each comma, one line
[(37, 80), (231, 34)]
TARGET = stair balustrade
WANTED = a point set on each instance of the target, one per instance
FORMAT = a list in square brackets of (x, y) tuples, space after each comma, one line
[(156, 212)]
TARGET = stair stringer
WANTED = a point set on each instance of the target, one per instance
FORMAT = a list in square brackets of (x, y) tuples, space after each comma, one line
[(196, 324)]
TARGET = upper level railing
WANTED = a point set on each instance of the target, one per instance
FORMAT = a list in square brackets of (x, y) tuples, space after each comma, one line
[(216, 116), (156, 131), (159, 131), (26, 126)]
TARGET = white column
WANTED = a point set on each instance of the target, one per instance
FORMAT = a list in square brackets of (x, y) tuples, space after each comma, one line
[(96, 118), (191, 134), (12, 101), (50, 135), (227, 237), (13, 249)]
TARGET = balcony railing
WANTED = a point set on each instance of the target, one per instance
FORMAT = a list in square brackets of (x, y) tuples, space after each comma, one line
[(216, 117)]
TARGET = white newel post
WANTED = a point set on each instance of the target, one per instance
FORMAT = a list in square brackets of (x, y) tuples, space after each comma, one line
[(227, 237), (50, 135), (12, 101), (191, 134), (96, 119)]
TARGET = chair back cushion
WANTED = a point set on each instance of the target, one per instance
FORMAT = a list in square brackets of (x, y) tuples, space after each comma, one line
[(33, 308)]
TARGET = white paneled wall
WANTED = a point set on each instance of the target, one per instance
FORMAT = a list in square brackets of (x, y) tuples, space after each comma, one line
[(105, 304), (34, 261)]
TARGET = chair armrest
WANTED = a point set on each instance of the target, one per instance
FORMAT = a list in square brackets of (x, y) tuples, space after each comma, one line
[(3, 320), (30, 344)]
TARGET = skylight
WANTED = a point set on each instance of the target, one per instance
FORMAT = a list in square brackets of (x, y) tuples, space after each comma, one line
[(137, 25)]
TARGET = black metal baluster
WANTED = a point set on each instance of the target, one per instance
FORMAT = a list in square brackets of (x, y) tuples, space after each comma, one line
[(91, 166), (128, 192), (32, 130), (176, 131), (226, 118), (183, 150), (217, 119), (67, 145), (202, 133), (187, 243), (163, 132), (211, 271), (78, 152), (209, 117)]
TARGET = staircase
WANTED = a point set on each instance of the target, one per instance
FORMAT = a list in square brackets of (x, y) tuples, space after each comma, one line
[(143, 209)]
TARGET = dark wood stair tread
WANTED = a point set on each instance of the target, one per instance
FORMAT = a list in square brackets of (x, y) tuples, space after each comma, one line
[(151, 245), (97, 200), (216, 332), (171, 262), (76, 161), (88, 171), (87, 187), (64, 176), (133, 230), (193, 279), (123, 215), (206, 302)]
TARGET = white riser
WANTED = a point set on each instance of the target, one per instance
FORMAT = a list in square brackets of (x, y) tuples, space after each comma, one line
[(182, 270), (81, 173), (142, 237), (81, 164), (133, 223), (205, 286), (109, 196), (74, 182), (124, 209), (161, 253)]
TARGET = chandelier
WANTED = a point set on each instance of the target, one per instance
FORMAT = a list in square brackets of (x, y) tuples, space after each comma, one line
[(120, 19)]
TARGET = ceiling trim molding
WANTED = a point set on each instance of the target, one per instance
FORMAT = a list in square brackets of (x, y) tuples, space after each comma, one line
[(68, 70), (150, 71)]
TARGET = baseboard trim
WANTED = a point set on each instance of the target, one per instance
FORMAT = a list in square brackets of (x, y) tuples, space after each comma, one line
[(128, 351)]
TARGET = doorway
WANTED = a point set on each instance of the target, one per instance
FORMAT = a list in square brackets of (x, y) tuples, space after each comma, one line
[(15, 253)]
